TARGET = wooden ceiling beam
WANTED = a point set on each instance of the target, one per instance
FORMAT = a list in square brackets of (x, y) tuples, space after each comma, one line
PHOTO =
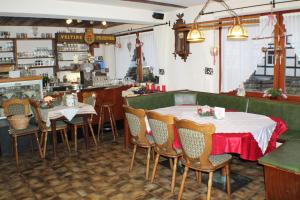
[(157, 3)]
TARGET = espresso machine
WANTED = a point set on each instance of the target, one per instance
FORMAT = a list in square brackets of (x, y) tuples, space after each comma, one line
[(86, 74)]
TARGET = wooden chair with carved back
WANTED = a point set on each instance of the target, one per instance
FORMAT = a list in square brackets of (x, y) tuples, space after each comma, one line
[(196, 141), (162, 127), (139, 138), (20, 107), (78, 122), (61, 127)]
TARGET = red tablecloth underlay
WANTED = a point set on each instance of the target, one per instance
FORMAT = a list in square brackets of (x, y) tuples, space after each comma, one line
[(239, 143)]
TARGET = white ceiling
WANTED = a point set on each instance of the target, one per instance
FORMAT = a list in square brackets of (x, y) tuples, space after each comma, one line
[(146, 6)]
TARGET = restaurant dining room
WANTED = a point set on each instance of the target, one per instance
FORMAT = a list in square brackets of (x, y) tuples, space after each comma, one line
[(150, 100)]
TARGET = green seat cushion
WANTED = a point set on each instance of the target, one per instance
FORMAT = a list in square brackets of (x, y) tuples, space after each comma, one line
[(290, 134), (286, 157), (225, 101), (152, 101), (30, 128), (185, 98), (76, 121)]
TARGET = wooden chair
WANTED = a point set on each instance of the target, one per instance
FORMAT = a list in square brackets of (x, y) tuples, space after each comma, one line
[(162, 127), (78, 122), (139, 138), (61, 127), (196, 143), (20, 107)]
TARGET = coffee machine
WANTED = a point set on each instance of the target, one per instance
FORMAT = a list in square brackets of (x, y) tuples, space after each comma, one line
[(86, 74)]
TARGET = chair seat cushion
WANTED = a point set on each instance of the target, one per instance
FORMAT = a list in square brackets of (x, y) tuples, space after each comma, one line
[(30, 129), (219, 159), (59, 124), (76, 121)]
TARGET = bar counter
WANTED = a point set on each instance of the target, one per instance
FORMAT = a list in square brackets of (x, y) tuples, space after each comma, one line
[(26, 78), (111, 94)]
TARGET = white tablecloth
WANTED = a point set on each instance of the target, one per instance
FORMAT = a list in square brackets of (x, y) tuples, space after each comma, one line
[(260, 126), (65, 111)]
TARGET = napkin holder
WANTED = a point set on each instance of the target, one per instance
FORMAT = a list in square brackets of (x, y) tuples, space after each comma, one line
[(219, 113)]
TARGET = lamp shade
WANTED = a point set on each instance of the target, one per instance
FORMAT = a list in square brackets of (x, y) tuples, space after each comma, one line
[(195, 35), (237, 32)]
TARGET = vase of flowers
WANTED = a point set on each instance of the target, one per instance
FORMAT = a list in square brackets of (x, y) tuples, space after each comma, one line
[(274, 93)]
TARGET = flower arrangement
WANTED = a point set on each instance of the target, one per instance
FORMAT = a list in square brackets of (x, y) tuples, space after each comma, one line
[(205, 111), (274, 93)]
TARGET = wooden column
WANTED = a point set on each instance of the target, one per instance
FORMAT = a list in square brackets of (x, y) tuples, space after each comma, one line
[(279, 53), (139, 69)]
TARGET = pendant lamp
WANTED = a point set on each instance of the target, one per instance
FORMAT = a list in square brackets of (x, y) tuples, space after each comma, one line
[(237, 32), (195, 35)]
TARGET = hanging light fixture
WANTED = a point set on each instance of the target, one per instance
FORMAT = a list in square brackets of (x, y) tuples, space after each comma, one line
[(236, 32), (195, 34)]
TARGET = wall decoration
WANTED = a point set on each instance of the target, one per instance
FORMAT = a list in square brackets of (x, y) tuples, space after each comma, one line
[(129, 45)]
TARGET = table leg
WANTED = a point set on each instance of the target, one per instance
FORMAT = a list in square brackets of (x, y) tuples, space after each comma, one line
[(85, 130), (54, 136)]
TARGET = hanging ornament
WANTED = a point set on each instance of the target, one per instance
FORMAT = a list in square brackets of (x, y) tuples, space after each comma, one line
[(118, 44), (129, 45), (214, 51)]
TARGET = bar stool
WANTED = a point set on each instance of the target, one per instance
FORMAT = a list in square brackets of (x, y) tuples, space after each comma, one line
[(107, 107)]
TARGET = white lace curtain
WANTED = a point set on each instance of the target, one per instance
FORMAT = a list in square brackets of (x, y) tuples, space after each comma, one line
[(292, 25), (148, 51), (124, 54), (240, 58)]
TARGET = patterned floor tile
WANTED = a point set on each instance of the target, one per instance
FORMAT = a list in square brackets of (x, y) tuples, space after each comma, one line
[(103, 175)]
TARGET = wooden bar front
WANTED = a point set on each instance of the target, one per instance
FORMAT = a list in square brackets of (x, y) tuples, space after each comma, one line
[(107, 95)]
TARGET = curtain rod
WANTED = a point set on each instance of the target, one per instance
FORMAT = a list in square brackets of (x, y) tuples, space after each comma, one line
[(131, 31), (273, 3)]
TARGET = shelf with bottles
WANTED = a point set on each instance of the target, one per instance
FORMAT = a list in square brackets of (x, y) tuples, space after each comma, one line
[(7, 55), (72, 47)]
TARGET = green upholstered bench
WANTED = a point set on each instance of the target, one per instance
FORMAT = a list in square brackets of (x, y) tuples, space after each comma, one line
[(285, 157), (282, 171)]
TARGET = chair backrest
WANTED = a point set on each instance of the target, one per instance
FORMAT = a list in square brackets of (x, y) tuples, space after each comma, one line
[(37, 113), (185, 97), (137, 124), (162, 127), (16, 107), (89, 98), (196, 141)]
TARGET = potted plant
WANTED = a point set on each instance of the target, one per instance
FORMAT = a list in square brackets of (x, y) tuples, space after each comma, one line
[(274, 93)]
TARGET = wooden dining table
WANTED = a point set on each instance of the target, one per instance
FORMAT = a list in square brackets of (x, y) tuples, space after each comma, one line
[(63, 112), (247, 134)]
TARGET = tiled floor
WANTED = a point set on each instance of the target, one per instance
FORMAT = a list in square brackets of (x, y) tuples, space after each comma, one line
[(103, 174)]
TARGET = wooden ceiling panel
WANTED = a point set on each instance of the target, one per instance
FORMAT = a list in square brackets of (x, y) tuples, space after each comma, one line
[(29, 21)]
